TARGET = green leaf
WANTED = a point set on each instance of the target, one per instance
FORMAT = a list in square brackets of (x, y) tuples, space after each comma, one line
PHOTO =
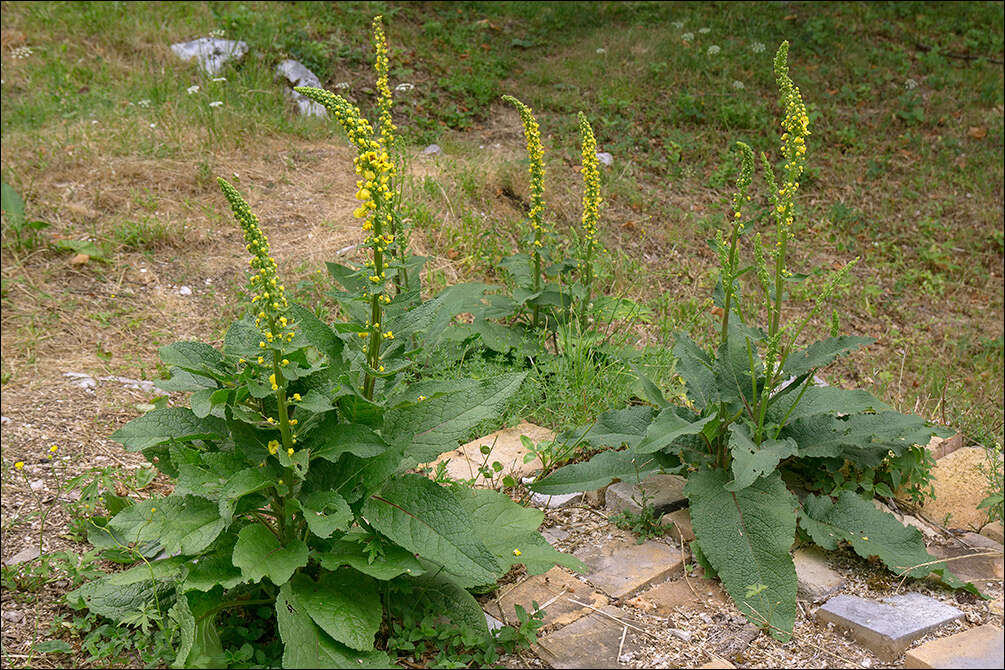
[(871, 532), (428, 520), (200, 645), (196, 357), (326, 512), (437, 424), (864, 439), (52, 646), (695, 367), (751, 460), (821, 353), (243, 483), (824, 400), (214, 568), (343, 604), (432, 317), (81, 247), (258, 554), (746, 536), (204, 474), (242, 339), (331, 438), (181, 380), (666, 428), (12, 206), (505, 528), (395, 561), (601, 470), (317, 333), (171, 424), (308, 646), (614, 428), (179, 523), (118, 595), (648, 390), (354, 478), (439, 594)]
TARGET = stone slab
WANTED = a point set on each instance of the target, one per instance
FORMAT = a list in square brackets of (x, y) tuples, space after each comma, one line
[(887, 627), (959, 488), (463, 463), (666, 493), (211, 52), (941, 447), (622, 568), (994, 531), (555, 501), (666, 598), (979, 647), (816, 581), (590, 642), (976, 568), (681, 519), (552, 592)]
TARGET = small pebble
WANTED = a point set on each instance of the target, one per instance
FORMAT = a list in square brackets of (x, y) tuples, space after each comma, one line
[(184, 290)]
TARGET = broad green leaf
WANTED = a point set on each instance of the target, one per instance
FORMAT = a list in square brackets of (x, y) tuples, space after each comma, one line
[(180, 523), (321, 337), (510, 532), (395, 561), (437, 593), (214, 568), (241, 339), (258, 554), (12, 206), (437, 424), (354, 478), (732, 366), (746, 536), (182, 380), (332, 437), (695, 367), (343, 604), (171, 424), (307, 646), (667, 427), (601, 470), (204, 474), (123, 593), (200, 645), (648, 390), (614, 428), (819, 354), (751, 460), (823, 400), (52, 647), (243, 483), (325, 512), (432, 317), (196, 357), (498, 337), (518, 267), (428, 520), (349, 277), (871, 532), (865, 439)]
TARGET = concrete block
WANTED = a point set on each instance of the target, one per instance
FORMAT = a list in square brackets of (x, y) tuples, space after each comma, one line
[(666, 598), (591, 642), (552, 592), (887, 628), (463, 463), (815, 578), (555, 501), (622, 568), (976, 568), (979, 647), (665, 492)]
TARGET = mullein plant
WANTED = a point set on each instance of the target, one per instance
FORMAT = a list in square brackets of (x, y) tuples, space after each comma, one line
[(591, 214), (755, 423)]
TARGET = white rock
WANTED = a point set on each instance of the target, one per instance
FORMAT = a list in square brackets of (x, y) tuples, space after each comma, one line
[(605, 158), (4, 420), (14, 616), (130, 383), (184, 290), (683, 635), (555, 501), (82, 380), (432, 150), (211, 52), (298, 75), (37, 485), (27, 554)]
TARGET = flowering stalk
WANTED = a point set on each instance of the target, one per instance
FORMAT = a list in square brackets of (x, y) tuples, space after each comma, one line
[(591, 206), (728, 257), (535, 153), (374, 166)]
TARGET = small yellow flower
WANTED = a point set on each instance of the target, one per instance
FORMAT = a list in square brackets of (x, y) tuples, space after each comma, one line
[(19, 465), (296, 397), (517, 552), (289, 452), (153, 509), (273, 447)]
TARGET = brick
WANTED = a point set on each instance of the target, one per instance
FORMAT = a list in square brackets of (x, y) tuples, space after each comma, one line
[(551, 591), (665, 492), (622, 568), (994, 531), (943, 447), (463, 463), (666, 598), (979, 647), (717, 664), (590, 642), (976, 568), (816, 581), (887, 628), (681, 519)]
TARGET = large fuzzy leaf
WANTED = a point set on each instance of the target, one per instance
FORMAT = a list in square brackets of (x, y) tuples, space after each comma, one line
[(308, 646), (344, 604), (751, 460), (332, 437), (667, 428), (216, 567), (196, 357), (200, 645), (507, 528), (433, 316), (614, 428), (170, 424), (437, 424), (439, 594), (864, 439), (258, 554), (428, 520), (695, 367), (819, 354), (823, 400), (123, 593), (601, 470), (321, 337), (184, 524), (325, 512), (871, 532), (746, 536), (350, 551)]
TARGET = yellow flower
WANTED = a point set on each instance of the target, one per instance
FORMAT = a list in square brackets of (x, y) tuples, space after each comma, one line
[(53, 449), (517, 552), (296, 397), (19, 465), (273, 447), (289, 452)]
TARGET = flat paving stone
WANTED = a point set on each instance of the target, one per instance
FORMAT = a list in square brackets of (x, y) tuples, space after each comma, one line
[(887, 627), (556, 501), (976, 568), (622, 568), (979, 647), (552, 592), (678, 525), (463, 463), (591, 642), (994, 531), (666, 598), (663, 491), (816, 581)]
